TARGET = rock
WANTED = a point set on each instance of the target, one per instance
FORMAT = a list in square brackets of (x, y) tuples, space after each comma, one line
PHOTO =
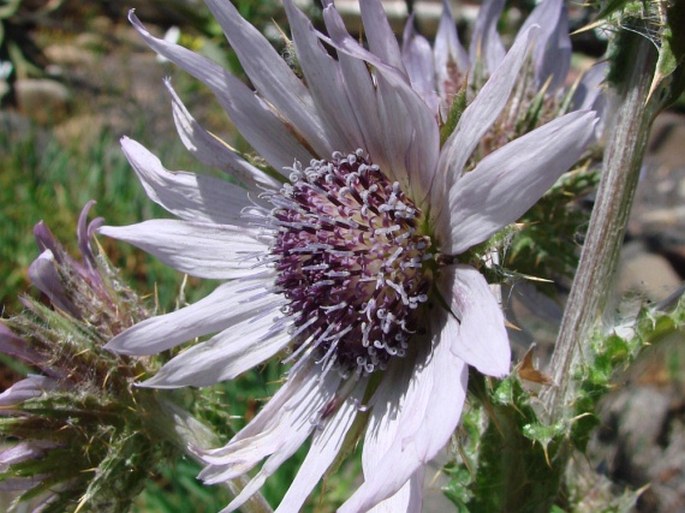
[(45, 101), (69, 55), (642, 442), (648, 274), (658, 215)]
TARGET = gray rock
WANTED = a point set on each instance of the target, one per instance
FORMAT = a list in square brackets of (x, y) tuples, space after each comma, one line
[(69, 55), (45, 101), (647, 274), (642, 442)]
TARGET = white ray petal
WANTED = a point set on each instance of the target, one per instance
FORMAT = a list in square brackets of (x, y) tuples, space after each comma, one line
[(477, 335), (409, 134), (210, 150), (325, 81), (511, 179), (473, 124), (272, 77), (379, 34), (408, 499), (326, 444), (486, 45), (418, 418), (417, 55), (253, 118), (200, 249), (447, 49), (229, 304), (290, 421), (224, 356), (186, 195)]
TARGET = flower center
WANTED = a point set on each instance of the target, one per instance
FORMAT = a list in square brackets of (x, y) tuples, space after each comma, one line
[(351, 261)]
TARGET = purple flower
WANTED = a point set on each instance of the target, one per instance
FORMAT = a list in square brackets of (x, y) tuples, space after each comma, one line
[(348, 252), (72, 433), (543, 85)]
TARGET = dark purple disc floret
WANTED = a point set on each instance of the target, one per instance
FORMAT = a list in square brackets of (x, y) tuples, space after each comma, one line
[(351, 261)]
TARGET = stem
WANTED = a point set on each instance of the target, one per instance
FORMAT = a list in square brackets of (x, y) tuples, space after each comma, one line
[(627, 138)]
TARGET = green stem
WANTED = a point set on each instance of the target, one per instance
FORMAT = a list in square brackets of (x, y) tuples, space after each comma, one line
[(626, 141)]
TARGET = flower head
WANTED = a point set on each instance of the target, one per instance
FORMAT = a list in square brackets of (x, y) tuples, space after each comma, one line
[(347, 253), (76, 434)]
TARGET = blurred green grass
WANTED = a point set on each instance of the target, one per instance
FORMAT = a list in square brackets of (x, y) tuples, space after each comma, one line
[(43, 179)]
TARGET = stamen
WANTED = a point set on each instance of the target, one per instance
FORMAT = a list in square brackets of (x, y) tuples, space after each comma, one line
[(349, 262)]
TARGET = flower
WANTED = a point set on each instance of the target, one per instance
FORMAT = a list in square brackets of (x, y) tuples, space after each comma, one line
[(78, 433), (544, 89), (442, 74), (349, 252)]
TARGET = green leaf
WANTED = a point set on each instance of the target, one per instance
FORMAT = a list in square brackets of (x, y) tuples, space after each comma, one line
[(456, 110)]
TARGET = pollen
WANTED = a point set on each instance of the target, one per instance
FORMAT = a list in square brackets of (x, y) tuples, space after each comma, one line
[(351, 261)]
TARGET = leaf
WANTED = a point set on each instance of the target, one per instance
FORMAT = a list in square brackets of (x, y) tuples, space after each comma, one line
[(526, 369), (669, 71)]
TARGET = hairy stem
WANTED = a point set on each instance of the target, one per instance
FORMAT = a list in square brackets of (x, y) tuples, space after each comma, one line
[(626, 141)]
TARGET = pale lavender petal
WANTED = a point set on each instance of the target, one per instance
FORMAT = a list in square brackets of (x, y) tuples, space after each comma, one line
[(32, 386), (361, 91), (200, 249), (418, 60), (325, 446), (186, 195), (212, 151), (325, 81), (44, 275), (510, 180), (475, 331), (412, 146), (23, 451), (451, 60), (486, 45), (229, 304), (589, 93), (272, 77), (552, 53), (339, 38), (473, 124), (226, 355), (409, 133), (447, 46), (18, 484), (298, 384), (84, 234), (389, 410), (45, 239), (360, 88), (17, 347), (260, 126), (410, 422), (408, 499), (17, 453), (12, 345), (484, 109), (379, 33), (296, 405), (286, 430)]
